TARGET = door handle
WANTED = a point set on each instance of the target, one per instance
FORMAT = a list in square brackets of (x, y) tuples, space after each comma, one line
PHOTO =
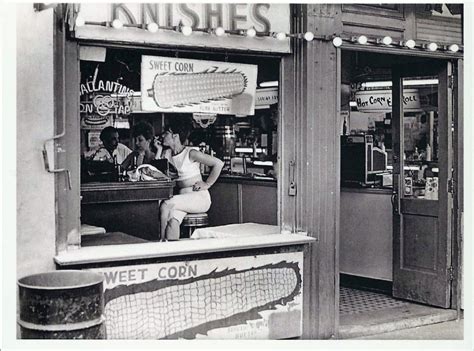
[(292, 185), (59, 170), (394, 201)]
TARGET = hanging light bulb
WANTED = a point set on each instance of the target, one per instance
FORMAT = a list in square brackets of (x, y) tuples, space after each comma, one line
[(410, 44), (280, 36), (219, 31), (454, 48), (117, 24), (387, 40), (152, 27), (80, 21), (362, 39), (308, 36), (251, 32), (433, 47), (186, 30), (337, 41)]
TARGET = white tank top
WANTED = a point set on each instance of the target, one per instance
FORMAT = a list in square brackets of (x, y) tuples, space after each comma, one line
[(185, 167)]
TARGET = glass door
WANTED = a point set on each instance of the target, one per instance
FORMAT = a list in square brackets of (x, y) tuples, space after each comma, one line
[(422, 126)]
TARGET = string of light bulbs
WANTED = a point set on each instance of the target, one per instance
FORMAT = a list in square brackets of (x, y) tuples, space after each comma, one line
[(251, 32), (389, 42)]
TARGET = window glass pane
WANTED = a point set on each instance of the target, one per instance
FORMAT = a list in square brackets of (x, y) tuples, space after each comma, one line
[(420, 138)]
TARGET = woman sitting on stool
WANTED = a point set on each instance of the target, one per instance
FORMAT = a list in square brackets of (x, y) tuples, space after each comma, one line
[(193, 194)]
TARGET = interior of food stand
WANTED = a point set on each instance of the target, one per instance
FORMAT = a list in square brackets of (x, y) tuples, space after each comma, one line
[(247, 144)]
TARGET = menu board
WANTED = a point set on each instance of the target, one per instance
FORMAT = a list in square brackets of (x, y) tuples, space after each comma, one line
[(185, 85)]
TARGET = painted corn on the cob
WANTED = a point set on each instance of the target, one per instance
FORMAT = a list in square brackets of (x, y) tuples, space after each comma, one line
[(193, 88), (176, 309)]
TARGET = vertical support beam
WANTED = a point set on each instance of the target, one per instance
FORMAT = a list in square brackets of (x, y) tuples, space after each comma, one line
[(458, 201), (286, 145), (319, 178), (409, 11), (317, 139), (66, 90)]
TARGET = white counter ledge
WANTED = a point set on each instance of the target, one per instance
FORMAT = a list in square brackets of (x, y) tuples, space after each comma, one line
[(184, 247)]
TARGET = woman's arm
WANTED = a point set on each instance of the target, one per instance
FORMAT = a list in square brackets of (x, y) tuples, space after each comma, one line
[(128, 161), (213, 162)]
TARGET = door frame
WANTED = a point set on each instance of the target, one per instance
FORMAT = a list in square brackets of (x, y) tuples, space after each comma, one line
[(458, 117)]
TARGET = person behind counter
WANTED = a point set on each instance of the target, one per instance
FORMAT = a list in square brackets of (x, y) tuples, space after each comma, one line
[(111, 147), (194, 196), (143, 135)]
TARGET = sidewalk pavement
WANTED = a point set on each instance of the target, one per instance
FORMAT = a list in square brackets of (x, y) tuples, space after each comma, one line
[(451, 330)]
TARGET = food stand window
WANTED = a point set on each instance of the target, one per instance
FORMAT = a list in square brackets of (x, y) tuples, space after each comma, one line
[(222, 285), (111, 81)]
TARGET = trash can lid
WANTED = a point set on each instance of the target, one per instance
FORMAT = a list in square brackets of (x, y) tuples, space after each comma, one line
[(62, 279)]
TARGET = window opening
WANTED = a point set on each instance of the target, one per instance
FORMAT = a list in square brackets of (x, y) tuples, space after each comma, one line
[(110, 97)]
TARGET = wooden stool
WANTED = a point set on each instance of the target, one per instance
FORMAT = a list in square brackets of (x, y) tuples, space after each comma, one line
[(194, 220)]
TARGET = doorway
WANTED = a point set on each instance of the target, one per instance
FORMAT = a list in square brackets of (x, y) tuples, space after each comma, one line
[(396, 117)]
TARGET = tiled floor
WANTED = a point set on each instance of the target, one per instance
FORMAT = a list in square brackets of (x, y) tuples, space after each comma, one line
[(358, 301)]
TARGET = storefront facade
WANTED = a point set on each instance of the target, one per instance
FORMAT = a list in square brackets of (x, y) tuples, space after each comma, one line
[(308, 192)]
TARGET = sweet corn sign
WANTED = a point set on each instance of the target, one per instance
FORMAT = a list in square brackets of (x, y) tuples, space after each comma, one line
[(202, 17), (185, 85)]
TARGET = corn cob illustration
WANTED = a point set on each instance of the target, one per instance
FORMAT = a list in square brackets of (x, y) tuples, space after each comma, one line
[(172, 309), (186, 89)]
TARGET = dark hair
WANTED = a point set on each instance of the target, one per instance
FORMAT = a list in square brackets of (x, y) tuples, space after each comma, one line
[(106, 132), (143, 128), (181, 125)]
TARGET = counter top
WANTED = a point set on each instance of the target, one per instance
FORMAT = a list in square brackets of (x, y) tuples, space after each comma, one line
[(184, 247), (114, 192), (98, 186), (383, 191), (255, 180)]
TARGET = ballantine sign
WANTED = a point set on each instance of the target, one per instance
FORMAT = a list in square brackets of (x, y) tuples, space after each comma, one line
[(101, 99), (233, 17)]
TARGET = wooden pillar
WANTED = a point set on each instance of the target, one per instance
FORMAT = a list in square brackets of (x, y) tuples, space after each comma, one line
[(311, 126), (66, 91)]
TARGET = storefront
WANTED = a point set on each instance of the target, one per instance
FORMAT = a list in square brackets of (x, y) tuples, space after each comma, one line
[(105, 64)]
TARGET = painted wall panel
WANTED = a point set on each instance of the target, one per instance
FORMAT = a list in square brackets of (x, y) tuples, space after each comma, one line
[(255, 297), (366, 235), (439, 30), (35, 117)]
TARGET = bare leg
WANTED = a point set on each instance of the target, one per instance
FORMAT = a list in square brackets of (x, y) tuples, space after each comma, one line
[(172, 229), (164, 215)]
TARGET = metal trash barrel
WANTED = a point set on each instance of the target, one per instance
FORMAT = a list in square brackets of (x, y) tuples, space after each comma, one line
[(65, 304)]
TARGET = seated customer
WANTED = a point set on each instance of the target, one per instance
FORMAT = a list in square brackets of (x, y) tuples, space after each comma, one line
[(143, 135), (193, 194), (111, 147)]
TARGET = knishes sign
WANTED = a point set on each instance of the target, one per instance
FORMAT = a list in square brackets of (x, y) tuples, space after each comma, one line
[(232, 17), (183, 85)]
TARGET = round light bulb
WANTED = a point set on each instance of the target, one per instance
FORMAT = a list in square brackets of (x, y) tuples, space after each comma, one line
[(387, 40), (362, 40), (454, 48), (281, 36), (220, 31), (152, 27), (80, 21), (433, 47), (186, 30), (410, 44), (251, 32), (308, 36), (337, 42), (117, 24)]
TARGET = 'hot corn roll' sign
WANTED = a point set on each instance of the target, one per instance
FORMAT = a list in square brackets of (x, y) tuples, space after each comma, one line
[(184, 85)]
